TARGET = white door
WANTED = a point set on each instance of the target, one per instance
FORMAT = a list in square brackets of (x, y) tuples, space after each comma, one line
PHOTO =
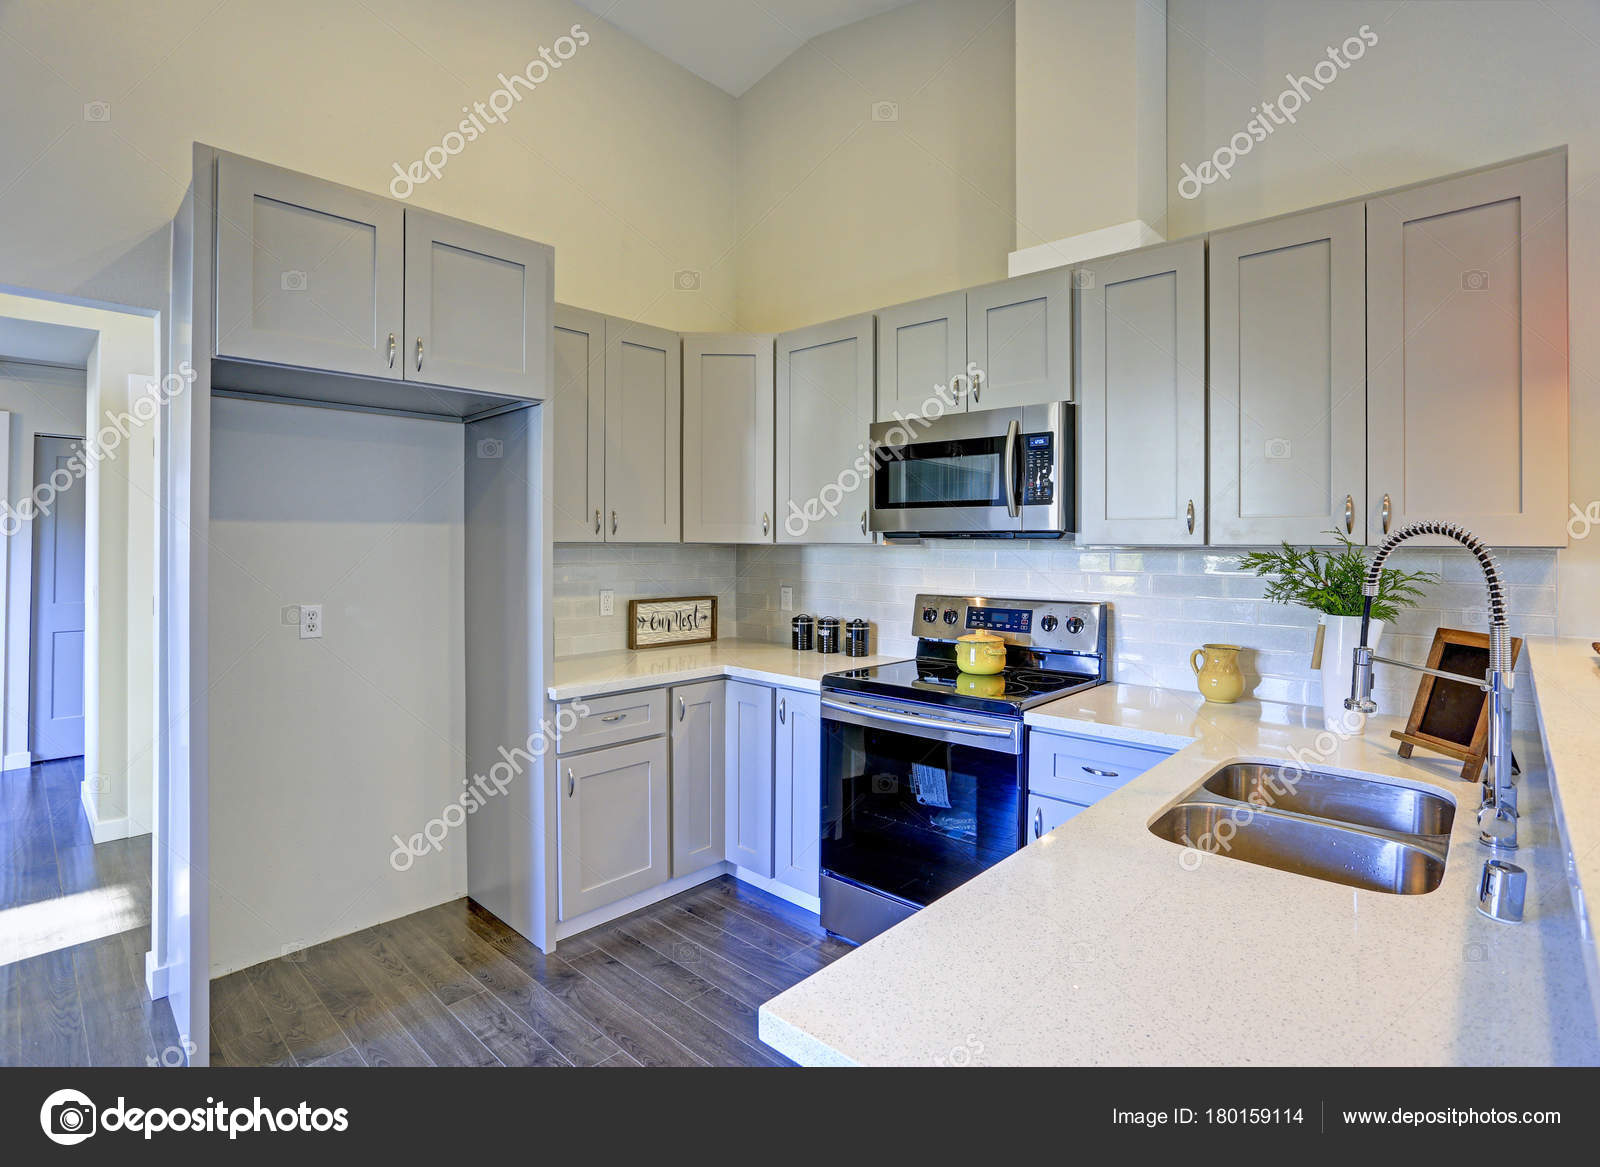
[(309, 273), (477, 307), (747, 754), (797, 791), (614, 817), (824, 387), (1019, 340), (727, 439), (578, 406), (56, 700), (699, 800), (922, 357), (1288, 386), (1142, 397), (643, 458), (1466, 355)]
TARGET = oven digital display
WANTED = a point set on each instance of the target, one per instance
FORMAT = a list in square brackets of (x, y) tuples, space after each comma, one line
[(1019, 620)]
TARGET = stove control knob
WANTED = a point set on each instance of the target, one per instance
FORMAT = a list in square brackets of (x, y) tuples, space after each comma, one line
[(930, 615), (949, 615), (1074, 624), (1049, 623)]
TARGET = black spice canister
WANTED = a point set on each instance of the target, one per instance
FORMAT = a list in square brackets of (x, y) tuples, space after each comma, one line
[(801, 631), (827, 634), (856, 637)]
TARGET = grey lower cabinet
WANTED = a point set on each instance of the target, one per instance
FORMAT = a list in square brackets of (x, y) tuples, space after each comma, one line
[(613, 818), (1068, 773), (824, 385), (1046, 814), (797, 791), (1141, 324), (748, 758), (1467, 354), (728, 438), (1287, 393), (699, 802)]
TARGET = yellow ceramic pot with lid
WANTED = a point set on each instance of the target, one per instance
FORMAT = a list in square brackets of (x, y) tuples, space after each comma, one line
[(980, 652)]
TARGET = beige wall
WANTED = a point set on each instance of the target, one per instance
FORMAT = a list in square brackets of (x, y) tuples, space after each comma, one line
[(621, 160), (1448, 86), (841, 213)]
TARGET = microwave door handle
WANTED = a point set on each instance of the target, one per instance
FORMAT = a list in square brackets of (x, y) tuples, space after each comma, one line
[(1013, 507)]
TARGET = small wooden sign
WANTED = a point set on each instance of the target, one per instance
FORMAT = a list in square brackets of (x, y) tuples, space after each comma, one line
[(678, 620), (1452, 717)]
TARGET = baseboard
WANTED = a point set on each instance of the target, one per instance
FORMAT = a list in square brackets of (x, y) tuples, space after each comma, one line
[(783, 891), (101, 830), (155, 977), (20, 760)]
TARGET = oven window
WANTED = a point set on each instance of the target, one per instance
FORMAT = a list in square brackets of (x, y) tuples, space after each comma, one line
[(943, 474), (912, 817)]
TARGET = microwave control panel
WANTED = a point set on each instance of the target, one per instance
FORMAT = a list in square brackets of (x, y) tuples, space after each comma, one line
[(1038, 469)]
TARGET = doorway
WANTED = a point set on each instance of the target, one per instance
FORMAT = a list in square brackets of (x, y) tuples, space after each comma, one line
[(57, 673)]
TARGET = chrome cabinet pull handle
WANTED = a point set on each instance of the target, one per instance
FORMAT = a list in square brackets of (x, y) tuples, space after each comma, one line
[(610, 717), (977, 386), (393, 348), (1101, 773), (613, 522), (596, 520), (1388, 512), (766, 523), (683, 709), (419, 354), (783, 711), (1349, 514), (572, 783), (1191, 516), (1038, 822), (863, 522)]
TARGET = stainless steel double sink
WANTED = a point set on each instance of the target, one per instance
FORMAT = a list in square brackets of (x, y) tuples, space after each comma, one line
[(1354, 831)]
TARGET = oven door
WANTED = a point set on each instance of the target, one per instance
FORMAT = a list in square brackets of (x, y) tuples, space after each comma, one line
[(917, 799), (959, 474)]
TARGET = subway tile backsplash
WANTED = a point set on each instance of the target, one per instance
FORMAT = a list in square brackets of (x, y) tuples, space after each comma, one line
[(1164, 601)]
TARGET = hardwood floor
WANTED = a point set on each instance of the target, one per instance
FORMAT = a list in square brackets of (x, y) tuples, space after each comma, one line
[(74, 928), (675, 984)]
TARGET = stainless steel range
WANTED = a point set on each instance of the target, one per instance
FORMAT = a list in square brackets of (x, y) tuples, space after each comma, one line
[(924, 767)]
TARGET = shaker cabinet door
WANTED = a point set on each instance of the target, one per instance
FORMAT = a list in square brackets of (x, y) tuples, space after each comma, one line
[(922, 352), (824, 411), (613, 815), (699, 801), (728, 439), (577, 403), (797, 791), (309, 273), (1019, 340), (643, 460), (747, 754), (1287, 395)]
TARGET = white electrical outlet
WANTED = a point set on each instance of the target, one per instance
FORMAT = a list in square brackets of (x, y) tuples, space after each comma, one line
[(608, 602), (786, 597), (310, 621)]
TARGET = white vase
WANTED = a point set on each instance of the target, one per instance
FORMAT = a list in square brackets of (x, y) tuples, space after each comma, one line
[(1341, 638)]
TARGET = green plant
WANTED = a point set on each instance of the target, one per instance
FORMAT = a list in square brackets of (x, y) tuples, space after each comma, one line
[(1329, 581)]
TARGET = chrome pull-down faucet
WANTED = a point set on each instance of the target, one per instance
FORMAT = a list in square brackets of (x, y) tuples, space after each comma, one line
[(1497, 812)]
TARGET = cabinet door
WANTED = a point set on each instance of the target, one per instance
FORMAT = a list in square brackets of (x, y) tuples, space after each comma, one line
[(747, 754), (477, 307), (309, 273), (644, 400), (1142, 397), (922, 354), (824, 386), (699, 802), (727, 439), (1019, 337), (1046, 814), (797, 791), (613, 818), (1467, 355), (578, 407), (1288, 400)]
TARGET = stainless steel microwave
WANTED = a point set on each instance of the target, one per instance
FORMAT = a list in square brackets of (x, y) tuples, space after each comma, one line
[(990, 474)]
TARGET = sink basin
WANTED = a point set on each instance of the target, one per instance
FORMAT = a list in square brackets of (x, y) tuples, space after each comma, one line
[(1370, 860), (1334, 796)]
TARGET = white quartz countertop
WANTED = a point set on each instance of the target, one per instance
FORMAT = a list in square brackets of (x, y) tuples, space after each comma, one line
[(595, 674), (1104, 944)]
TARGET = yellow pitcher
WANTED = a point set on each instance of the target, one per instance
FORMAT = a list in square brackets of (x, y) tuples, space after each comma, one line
[(1220, 679)]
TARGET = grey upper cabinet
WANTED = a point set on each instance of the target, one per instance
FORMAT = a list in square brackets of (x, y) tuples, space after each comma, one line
[(797, 791), (578, 410), (613, 816), (1019, 340), (1287, 394), (1466, 354), (728, 439), (643, 418), (477, 304), (824, 406), (1142, 396), (699, 801), (748, 780), (309, 273), (922, 352)]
